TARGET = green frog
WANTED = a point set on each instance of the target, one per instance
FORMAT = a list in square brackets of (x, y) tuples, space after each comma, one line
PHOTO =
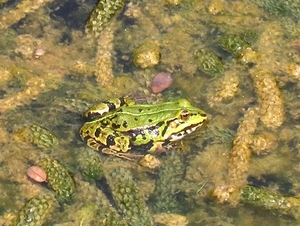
[(119, 125)]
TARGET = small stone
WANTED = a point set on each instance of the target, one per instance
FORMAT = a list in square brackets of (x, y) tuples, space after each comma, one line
[(150, 161), (38, 53), (161, 81), (147, 55), (37, 174)]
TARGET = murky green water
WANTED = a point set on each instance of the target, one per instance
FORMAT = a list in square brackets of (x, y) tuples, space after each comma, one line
[(53, 90)]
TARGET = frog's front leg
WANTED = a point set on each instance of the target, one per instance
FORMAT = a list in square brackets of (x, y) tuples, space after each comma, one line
[(157, 147)]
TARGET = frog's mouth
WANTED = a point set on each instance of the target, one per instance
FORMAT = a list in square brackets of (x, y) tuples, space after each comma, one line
[(188, 130)]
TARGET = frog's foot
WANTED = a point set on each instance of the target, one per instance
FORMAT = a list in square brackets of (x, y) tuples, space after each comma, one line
[(157, 147), (127, 156)]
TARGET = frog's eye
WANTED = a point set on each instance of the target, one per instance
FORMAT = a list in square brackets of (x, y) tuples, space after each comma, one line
[(185, 115)]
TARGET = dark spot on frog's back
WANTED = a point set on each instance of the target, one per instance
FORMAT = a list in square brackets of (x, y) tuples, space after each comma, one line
[(159, 124), (110, 140), (110, 105), (97, 132), (115, 126), (140, 110), (150, 120), (136, 119), (124, 124), (203, 115), (122, 101)]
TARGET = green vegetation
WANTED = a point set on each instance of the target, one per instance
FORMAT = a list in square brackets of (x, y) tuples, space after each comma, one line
[(209, 62), (59, 179), (35, 211)]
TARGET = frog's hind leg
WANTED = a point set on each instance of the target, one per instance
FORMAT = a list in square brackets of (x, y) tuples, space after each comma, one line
[(119, 145), (127, 156), (98, 110)]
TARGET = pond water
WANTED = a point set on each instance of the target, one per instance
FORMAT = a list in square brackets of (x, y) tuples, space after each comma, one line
[(236, 60)]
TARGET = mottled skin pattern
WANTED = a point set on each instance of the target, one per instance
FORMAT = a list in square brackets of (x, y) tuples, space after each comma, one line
[(150, 127)]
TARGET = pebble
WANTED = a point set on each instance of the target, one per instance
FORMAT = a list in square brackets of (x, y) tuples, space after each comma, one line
[(161, 81), (38, 53), (37, 174)]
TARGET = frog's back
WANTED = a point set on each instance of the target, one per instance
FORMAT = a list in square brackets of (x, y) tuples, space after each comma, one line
[(148, 109), (144, 115)]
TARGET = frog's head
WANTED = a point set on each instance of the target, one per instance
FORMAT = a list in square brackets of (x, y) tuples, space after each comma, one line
[(188, 119)]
